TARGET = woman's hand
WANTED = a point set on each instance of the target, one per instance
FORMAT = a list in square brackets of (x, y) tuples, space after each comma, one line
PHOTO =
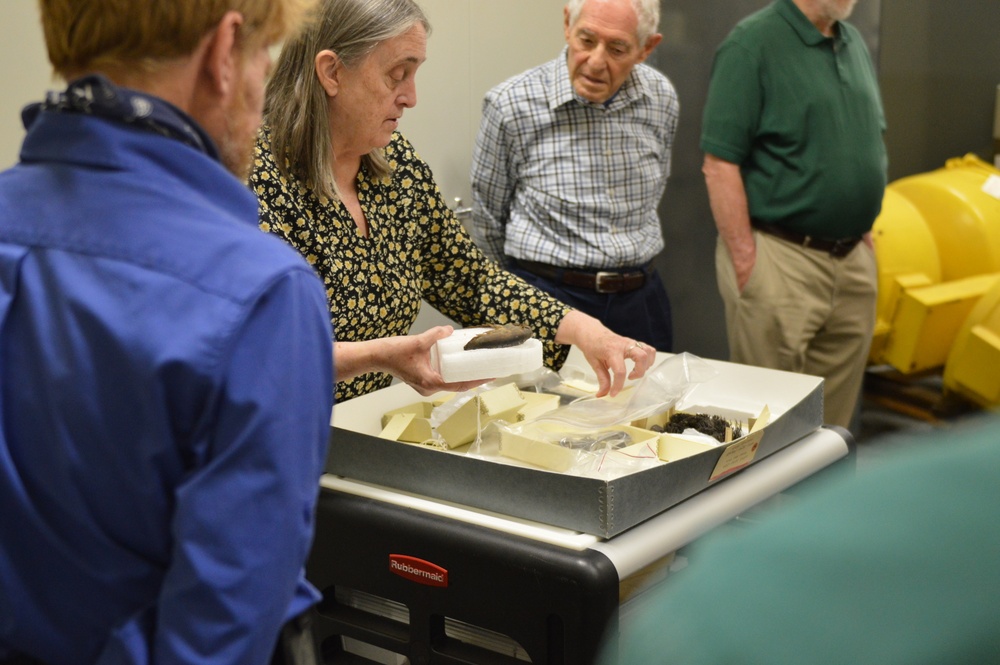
[(406, 357), (605, 350)]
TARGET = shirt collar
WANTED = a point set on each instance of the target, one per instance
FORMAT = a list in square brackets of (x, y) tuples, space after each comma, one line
[(96, 95), (562, 92), (807, 32)]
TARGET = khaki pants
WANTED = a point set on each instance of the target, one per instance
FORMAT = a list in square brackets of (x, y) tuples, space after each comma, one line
[(804, 311)]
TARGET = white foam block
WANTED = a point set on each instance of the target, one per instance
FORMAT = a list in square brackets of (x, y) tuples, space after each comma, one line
[(449, 357)]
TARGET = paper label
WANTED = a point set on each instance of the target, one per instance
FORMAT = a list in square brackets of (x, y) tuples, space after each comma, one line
[(738, 455), (992, 186)]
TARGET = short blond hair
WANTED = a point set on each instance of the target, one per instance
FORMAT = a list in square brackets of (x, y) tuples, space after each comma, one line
[(107, 35)]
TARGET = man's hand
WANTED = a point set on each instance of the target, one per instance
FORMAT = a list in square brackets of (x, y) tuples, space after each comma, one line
[(728, 199)]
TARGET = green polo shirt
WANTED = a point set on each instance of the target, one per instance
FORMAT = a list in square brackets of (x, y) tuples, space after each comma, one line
[(801, 114)]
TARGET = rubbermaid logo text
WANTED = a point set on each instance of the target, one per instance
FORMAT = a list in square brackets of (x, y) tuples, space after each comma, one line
[(418, 570)]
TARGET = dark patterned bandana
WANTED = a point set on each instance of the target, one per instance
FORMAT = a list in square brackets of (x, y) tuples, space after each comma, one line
[(96, 95)]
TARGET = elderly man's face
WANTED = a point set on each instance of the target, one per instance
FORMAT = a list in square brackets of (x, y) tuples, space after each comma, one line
[(603, 48)]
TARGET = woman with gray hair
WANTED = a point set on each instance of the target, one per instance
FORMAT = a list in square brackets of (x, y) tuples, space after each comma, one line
[(338, 182)]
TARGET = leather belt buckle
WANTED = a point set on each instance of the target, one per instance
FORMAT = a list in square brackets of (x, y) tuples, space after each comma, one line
[(607, 282), (841, 248)]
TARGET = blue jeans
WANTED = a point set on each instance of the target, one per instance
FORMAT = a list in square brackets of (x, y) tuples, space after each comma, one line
[(643, 314)]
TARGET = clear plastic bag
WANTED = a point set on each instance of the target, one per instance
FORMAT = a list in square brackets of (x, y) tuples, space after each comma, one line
[(594, 434), (661, 387)]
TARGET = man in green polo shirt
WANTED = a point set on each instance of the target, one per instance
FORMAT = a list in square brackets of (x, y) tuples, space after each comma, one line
[(795, 167)]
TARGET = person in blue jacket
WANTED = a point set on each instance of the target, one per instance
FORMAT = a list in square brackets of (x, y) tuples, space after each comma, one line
[(165, 367)]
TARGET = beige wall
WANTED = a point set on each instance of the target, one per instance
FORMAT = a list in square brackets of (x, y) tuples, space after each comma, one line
[(24, 70), (474, 45)]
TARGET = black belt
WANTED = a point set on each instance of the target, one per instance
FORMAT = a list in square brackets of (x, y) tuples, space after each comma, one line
[(835, 248), (599, 281)]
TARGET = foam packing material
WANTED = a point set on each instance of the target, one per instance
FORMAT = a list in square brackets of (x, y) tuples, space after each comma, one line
[(449, 357)]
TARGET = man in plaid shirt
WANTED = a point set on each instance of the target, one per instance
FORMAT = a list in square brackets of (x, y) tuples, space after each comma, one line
[(570, 164)]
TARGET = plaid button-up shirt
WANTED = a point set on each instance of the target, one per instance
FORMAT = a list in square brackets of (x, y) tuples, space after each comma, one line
[(564, 181)]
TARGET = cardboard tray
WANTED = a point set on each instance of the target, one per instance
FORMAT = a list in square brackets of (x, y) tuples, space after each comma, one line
[(599, 507)]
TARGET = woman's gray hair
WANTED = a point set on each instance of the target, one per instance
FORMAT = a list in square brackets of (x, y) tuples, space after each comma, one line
[(295, 107), (648, 12)]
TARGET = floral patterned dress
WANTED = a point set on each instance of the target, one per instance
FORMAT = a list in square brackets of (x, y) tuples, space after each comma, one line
[(416, 250)]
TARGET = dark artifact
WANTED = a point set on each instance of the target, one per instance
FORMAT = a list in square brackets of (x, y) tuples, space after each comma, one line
[(509, 334), (713, 426)]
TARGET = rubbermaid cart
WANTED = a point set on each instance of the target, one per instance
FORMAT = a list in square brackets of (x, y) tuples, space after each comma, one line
[(407, 578)]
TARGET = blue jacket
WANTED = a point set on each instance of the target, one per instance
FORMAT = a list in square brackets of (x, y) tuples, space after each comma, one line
[(165, 395)]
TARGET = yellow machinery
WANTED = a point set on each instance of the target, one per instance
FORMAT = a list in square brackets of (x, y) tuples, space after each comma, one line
[(973, 366), (961, 213), (937, 241), (907, 258)]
